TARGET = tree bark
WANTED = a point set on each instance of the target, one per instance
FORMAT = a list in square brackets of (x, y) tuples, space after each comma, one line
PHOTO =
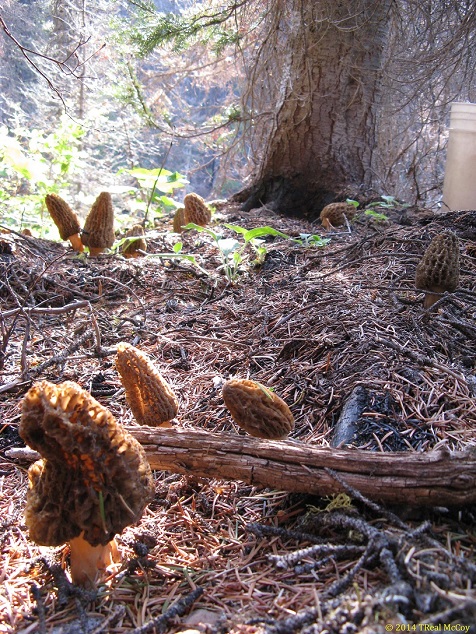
[(435, 478), (328, 58)]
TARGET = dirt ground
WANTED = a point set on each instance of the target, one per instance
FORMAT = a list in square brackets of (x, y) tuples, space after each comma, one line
[(312, 322)]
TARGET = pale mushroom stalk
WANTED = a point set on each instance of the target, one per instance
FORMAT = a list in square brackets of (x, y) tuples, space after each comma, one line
[(88, 561), (76, 243)]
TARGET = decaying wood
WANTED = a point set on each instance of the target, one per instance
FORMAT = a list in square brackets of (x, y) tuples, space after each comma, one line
[(433, 478)]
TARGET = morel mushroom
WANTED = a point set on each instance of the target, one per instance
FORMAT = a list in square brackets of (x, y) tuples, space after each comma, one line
[(335, 214), (179, 220), (257, 410), (93, 480), (65, 219), (131, 248), (438, 270), (196, 210), (98, 232), (148, 394)]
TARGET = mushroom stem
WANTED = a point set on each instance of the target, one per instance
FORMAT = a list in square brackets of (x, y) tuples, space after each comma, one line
[(95, 251), (87, 560), (76, 242)]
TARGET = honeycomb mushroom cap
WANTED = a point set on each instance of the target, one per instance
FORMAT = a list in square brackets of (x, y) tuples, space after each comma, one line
[(196, 210), (98, 229), (179, 220), (63, 216), (335, 214), (438, 270), (94, 478), (130, 247), (148, 394), (257, 410)]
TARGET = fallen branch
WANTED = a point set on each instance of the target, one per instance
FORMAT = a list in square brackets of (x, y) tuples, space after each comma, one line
[(433, 478)]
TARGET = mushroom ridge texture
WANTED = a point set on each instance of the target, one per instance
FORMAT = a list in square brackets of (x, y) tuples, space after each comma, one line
[(94, 478), (65, 219), (257, 410), (98, 232), (334, 214), (438, 270), (179, 220), (130, 247), (196, 210), (148, 394)]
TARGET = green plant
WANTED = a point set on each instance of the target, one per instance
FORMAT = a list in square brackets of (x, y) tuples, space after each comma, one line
[(233, 252), (34, 163), (155, 186), (389, 202), (178, 255)]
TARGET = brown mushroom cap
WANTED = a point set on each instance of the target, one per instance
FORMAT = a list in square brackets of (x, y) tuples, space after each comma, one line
[(179, 220), (130, 247), (334, 214), (64, 218), (94, 479), (196, 210), (438, 270), (150, 397), (98, 232), (257, 410)]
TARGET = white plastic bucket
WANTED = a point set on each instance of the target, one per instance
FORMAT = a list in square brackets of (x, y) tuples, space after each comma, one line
[(459, 188)]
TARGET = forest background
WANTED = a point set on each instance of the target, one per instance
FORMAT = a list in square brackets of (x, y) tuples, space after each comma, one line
[(93, 95)]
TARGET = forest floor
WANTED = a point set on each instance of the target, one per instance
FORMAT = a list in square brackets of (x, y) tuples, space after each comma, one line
[(312, 323)]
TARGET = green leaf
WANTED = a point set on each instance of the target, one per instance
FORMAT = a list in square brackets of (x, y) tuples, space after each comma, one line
[(236, 228), (228, 245), (200, 229), (376, 215), (264, 231), (177, 247)]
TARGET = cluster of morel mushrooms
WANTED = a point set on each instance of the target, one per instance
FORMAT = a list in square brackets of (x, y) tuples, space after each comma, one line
[(94, 478), (98, 231), (437, 272)]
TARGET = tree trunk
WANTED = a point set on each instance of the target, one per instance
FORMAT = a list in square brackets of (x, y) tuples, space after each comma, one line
[(319, 146)]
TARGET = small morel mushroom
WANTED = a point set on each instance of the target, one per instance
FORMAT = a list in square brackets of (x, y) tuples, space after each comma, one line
[(130, 248), (150, 397), (65, 219), (179, 220), (257, 410), (196, 210), (438, 270), (93, 480), (98, 232), (334, 215)]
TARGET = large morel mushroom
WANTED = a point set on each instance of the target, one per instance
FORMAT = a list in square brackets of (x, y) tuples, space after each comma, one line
[(93, 480), (438, 270), (98, 232), (195, 210), (257, 410), (65, 219), (148, 394)]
